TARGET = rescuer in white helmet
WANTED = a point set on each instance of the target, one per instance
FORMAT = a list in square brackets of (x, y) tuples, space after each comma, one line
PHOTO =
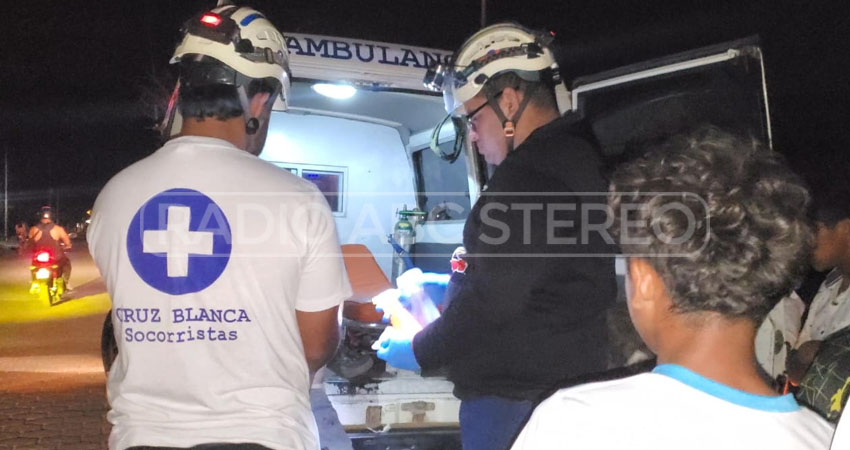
[(224, 306), (528, 310), (510, 70), (232, 50)]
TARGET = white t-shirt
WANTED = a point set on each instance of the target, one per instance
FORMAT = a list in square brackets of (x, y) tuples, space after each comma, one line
[(207, 253), (841, 440), (670, 408), (829, 312)]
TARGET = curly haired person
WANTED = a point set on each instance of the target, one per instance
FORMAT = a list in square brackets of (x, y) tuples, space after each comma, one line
[(714, 227)]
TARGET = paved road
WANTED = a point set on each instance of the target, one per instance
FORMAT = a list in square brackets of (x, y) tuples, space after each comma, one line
[(52, 385), (51, 378)]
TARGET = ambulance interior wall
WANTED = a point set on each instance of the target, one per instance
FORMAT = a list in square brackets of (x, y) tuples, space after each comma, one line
[(379, 176)]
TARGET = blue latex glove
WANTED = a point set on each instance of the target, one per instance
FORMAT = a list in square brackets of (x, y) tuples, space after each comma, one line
[(409, 308), (436, 291), (414, 280), (396, 348)]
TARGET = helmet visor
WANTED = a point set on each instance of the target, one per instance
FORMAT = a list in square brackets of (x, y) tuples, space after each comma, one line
[(449, 79)]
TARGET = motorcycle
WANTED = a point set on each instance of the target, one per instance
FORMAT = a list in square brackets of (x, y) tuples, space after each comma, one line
[(47, 280)]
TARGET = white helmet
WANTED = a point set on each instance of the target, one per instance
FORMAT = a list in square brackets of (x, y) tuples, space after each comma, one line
[(499, 48), (242, 39)]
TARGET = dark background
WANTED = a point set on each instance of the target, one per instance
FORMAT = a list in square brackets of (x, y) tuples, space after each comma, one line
[(80, 82)]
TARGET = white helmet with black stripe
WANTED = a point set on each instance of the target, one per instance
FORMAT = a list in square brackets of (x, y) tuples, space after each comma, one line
[(246, 44), (496, 49)]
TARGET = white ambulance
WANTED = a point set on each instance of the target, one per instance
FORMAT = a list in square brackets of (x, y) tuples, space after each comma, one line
[(363, 128)]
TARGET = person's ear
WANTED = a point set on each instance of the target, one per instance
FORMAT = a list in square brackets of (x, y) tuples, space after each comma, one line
[(841, 236), (647, 288), (509, 101), (258, 103), (843, 226)]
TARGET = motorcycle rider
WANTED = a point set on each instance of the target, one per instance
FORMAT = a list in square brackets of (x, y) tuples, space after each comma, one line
[(52, 238)]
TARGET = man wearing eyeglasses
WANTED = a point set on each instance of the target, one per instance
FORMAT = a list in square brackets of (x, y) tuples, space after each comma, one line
[(528, 310)]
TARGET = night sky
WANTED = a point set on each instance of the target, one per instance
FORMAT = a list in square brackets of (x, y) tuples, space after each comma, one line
[(81, 81)]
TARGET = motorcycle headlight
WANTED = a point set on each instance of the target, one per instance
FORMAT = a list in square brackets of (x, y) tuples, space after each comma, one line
[(42, 274)]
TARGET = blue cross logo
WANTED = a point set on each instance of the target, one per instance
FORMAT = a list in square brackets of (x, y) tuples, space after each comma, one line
[(179, 241)]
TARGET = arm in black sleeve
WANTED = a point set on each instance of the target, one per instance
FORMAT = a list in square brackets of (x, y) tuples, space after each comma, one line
[(490, 292), (517, 238)]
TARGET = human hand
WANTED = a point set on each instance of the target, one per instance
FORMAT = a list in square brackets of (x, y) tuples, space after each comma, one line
[(395, 346), (414, 280), (389, 303), (799, 360)]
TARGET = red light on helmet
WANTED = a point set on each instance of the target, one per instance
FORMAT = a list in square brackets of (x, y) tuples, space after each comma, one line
[(211, 19), (42, 257)]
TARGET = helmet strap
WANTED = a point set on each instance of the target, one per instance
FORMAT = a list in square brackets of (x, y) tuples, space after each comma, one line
[(509, 125), (252, 124), (167, 123)]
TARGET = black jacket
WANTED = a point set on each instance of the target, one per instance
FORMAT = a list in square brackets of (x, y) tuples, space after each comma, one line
[(529, 311)]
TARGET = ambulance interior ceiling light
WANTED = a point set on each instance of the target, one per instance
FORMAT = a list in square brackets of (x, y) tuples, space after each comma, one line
[(335, 91)]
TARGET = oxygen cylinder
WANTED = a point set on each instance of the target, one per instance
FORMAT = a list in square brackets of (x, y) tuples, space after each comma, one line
[(404, 235)]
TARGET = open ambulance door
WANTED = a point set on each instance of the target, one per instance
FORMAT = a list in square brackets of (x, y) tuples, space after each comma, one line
[(632, 107), (722, 85)]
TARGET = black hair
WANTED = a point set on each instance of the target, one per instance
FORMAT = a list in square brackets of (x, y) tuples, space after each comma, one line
[(832, 205), (208, 89), (543, 95), (750, 237)]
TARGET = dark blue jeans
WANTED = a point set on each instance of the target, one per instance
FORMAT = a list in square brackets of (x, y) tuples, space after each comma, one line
[(491, 423)]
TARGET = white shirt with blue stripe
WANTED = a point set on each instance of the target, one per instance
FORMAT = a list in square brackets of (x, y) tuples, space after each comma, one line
[(671, 408), (841, 440)]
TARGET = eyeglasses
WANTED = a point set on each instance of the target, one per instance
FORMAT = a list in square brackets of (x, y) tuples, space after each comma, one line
[(467, 118)]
